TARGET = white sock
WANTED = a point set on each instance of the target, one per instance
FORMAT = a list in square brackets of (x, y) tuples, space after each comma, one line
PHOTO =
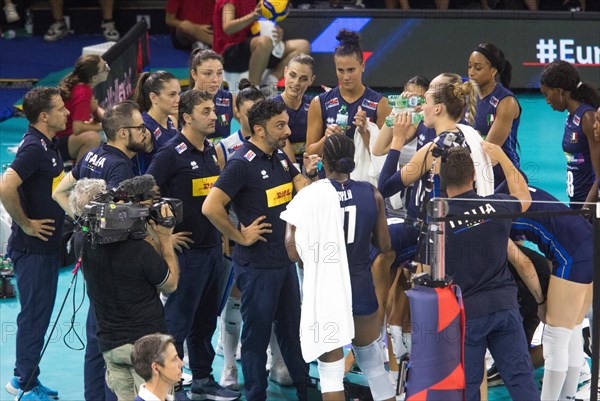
[(231, 319)]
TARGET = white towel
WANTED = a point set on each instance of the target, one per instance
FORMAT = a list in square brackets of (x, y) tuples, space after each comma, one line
[(484, 175), (326, 321), (365, 170)]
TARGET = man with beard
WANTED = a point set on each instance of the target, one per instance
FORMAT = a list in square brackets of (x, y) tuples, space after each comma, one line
[(259, 181), (111, 162)]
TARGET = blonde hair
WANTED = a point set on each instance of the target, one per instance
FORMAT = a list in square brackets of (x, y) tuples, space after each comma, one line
[(456, 96)]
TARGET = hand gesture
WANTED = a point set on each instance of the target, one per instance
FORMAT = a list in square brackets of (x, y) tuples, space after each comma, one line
[(163, 233), (333, 129), (360, 120), (402, 124), (277, 34), (182, 240), (257, 11), (42, 229), (254, 231)]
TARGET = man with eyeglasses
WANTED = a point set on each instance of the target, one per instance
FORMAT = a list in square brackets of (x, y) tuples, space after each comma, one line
[(111, 162)]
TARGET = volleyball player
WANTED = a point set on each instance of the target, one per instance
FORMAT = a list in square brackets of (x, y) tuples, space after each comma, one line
[(561, 86)]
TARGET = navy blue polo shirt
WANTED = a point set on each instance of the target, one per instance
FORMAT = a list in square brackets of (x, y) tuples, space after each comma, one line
[(476, 254), (105, 162), (40, 167), (259, 184), (184, 172)]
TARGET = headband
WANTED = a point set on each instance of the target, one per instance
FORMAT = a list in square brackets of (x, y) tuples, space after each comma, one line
[(491, 58)]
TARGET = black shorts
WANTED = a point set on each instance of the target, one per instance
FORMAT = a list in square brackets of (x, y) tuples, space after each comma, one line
[(63, 147), (237, 57)]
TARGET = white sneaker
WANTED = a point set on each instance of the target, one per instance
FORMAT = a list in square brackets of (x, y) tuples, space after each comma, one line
[(279, 374), (229, 378), (586, 374), (57, 31), (109, 30), (10, 11)]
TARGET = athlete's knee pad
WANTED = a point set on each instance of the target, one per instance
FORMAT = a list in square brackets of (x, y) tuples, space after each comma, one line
[(556, 348), (231, 315), (576, 354), (331, 375), (370, 360)]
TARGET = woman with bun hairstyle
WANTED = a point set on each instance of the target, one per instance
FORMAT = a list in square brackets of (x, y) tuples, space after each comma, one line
[(562, 87), (157, 94), (85, 116), (206, 74), (361, 102), (299, 76), (498, 112), (361, 229)]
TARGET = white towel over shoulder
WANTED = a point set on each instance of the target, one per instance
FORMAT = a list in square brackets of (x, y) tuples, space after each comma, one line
[(484, 175), (326, 321)]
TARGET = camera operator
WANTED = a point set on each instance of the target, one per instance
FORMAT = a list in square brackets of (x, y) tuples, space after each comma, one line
[(122, 278), (186, 168), (111, 162)]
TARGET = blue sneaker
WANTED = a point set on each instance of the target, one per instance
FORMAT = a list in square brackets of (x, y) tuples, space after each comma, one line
[(36, 394), (209, 389), (12, 387)]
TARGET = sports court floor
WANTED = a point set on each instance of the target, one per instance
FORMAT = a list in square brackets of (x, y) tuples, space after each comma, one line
[(542, 159)]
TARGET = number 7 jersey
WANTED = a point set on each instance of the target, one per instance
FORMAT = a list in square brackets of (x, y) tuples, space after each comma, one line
[(358, 204)]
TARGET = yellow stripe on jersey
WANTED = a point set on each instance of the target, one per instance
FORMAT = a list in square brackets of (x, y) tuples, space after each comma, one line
[(279, 195), (56, 180), (201, 186)]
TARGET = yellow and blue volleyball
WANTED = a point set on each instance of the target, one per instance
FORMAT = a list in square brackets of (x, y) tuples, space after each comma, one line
[(275, 10)]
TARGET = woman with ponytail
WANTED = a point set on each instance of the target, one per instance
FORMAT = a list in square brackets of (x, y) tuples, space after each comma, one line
[(157, 94), (498, 112), (361, 102), (562, 87), (364, 223), (84, 120)]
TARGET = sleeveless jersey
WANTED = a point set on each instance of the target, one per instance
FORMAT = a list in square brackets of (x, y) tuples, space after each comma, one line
[(580, 171), (159, 136), (332, 101), (297, 124), (224, 110), (485, 116), (230, 144), (357, 201)]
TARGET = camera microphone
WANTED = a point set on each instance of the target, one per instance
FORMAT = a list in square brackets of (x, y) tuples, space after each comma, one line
[(139, 187)]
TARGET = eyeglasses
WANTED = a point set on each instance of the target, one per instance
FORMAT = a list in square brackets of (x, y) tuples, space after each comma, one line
[(141, 127)]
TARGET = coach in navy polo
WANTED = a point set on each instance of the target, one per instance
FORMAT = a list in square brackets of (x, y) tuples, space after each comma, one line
[(111, 162), (477, 259), (260, 180), (186, 168), (34, 244)]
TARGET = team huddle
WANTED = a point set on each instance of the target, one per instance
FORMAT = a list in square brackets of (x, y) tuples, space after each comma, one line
[(312, 214)]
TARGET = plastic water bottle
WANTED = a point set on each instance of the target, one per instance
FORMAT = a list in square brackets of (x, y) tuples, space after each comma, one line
[(401, 104), (28, 22), (341, 120), (10, 34)]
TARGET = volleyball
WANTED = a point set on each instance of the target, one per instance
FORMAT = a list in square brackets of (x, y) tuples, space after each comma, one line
[(275, 10), (255, 29)]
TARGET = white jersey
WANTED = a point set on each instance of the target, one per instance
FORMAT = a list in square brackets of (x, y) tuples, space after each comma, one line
[(230, 144)]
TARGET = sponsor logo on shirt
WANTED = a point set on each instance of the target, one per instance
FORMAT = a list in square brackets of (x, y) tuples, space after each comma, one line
[(222, 101), (233, 148), (202, 186), (250, 155), (54, 162), (576, 120), (181, 148), (194, 165), (330, 120), (494, 101), (369, 104), (56, 180), (157, 133), (576, 158), (279, 195), (264, 174), (332, 103), (44, 144)]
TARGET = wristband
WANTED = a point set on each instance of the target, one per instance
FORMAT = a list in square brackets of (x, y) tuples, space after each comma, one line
[(311, 176)]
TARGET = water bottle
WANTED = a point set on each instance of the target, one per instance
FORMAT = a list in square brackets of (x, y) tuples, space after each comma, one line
[(10, 34), (341, 120), (28, 22), (401, 104)]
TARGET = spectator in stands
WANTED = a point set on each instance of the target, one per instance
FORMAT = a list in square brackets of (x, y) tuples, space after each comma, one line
[(242, 52), (190, 22), (83, 123), (155, 359), (59, 29), (10, 11)]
